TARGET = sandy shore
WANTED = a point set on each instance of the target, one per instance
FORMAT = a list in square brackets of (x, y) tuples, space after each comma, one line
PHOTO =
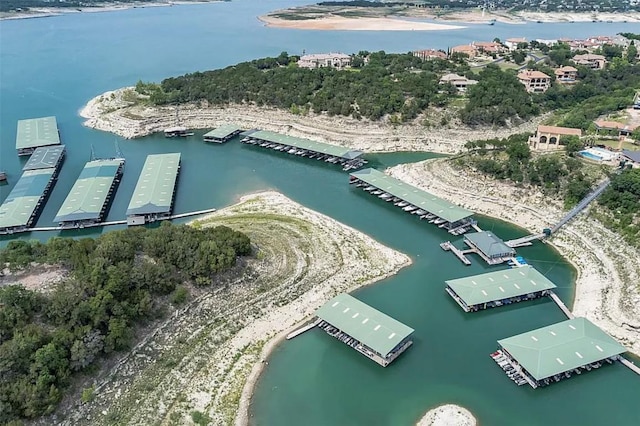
[(208, 355), (110, 112), (448, 415), (607, 291), (356, 24)]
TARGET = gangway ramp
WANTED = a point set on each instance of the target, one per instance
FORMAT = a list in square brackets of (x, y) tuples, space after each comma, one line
[(581, 205), (524, 241)]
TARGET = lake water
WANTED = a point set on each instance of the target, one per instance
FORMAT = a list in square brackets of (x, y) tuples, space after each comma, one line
[(52, 66)]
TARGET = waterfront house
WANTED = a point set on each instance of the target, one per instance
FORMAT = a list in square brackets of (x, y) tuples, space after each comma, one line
[(458, 81), (467, 49), (512, 43), (590, 60), (534, 81), (549, 137), (429, 54), (566, 74), (325, 60), (489, 47)]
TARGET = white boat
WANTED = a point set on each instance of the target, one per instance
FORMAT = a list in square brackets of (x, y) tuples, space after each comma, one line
[(402, 204)]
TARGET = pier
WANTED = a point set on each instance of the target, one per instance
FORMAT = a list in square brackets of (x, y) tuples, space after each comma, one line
[(349, 159), (154, 193), (447, 246), (455, 219), (561, 305), (367, 330), (489, 247), (630, 365), (303, 329)]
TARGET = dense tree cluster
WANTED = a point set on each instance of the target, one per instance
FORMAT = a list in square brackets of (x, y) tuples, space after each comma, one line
[(116, 281), (622, 198), (511, 159)]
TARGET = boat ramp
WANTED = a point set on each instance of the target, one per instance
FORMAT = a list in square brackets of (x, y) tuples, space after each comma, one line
[(222, 134), (410, 199), (349, 159), (154, 194), (33, 133)]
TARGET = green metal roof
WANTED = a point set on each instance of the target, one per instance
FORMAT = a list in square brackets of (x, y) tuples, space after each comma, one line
[(378, 331), (489, 243), (222, 131), (35, 132), (156, 184), (560, 347), (323, 148), (44, 157), (90, 192), (499, 285), (23, 199), (412, 195)]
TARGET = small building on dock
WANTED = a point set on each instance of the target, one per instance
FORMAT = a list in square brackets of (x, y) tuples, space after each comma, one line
[(36, 132), (91, 194), (556, 352), (367, 330), (153, 195), (350, 159), (23, 205), (499, 288), (489, 247), (46, 157), (442, 213), (222, 134)]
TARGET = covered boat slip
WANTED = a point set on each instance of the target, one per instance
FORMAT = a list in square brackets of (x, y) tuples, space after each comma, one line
[(367, 330), (154, 193), (89, 197), (490, 247), (348, 158), (222, 134), (36, 132), (455, 219), (45, 157), (550, 354), (20, 209), (498, 288)]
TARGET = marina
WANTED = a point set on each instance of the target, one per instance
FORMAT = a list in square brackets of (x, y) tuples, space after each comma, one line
[(46, 157), (33, 133), (222, 134), (556, 352), (21, 208), (442, 213), (154, 193), (349, 159), (498, 288), (367, 330), (88, 200)]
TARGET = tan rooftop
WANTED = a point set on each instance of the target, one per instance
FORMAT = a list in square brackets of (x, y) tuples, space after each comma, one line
[(529, 74), (568, 131)]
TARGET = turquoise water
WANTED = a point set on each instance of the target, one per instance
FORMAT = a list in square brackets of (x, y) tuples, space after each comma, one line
[(52, 66), (591, 156)]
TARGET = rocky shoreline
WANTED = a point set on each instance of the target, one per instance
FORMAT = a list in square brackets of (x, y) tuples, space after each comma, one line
[(448, 415), (117, 112)]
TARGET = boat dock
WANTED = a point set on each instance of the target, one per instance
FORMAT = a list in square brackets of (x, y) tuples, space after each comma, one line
[(447, 246), (33, 133), (222, 134), (410, 199), (154, 194), (561, 305), (90, 196), (367, 330), (303, 329), (349, 159), (630, 365)]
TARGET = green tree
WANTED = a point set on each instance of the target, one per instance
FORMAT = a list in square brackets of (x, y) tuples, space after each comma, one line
[(632, 53)]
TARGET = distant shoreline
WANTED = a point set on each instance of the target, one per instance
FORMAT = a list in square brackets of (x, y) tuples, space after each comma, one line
[(46, 12), (339, 23)]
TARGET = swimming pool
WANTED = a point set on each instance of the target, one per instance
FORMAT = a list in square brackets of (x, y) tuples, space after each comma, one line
[(590, 155)]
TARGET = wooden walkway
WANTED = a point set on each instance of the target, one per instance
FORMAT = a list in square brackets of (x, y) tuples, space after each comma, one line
[(630, 365), (447, 246), (303, 329), (561, 305)]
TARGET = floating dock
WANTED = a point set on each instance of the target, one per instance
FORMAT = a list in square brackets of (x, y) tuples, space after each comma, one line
[(222, 134), (489, 247), (154, 194), (349, 159), (36, 132), (499, 288), (89, 198), (367, 330), (413, 200), (556, 352), (45, 157), (21, 208)]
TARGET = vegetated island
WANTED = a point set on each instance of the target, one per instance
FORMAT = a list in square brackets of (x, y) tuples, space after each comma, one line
[(23, 9), (398, 102), (178, 327), (398, 14)]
